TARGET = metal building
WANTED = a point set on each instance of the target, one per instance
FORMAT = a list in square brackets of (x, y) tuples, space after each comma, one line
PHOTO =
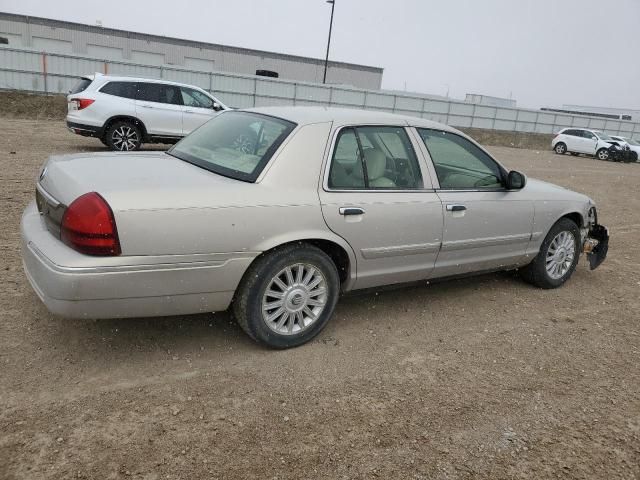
[(622, 113), (489, 100), (55, 36)]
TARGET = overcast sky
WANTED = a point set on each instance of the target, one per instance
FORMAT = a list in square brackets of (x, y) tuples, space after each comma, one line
[(542, 52)]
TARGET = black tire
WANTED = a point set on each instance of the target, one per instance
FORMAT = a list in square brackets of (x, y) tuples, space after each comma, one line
[(248, 303), (536, 272), (603, 154), (560, 148), (123, 135), (103, 140)]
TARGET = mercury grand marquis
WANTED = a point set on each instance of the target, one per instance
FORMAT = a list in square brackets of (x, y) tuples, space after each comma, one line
[(274, 212)]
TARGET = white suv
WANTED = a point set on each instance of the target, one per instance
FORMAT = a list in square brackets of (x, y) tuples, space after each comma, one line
[(582, 140), (124, 112)]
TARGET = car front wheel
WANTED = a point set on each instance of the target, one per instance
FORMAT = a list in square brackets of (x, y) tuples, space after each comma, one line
[(287, 296), (603, 154), (558, 256)]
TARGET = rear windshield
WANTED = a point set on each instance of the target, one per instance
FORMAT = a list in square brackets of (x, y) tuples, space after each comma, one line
[(234, 144), (81, 86)]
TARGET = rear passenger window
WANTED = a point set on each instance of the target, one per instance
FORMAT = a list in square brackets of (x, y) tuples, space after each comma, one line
[(159, 93), (120, 89), (374, 158)]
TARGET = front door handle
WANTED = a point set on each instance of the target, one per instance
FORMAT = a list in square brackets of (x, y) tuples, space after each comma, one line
[(351, 211), (455, 208)]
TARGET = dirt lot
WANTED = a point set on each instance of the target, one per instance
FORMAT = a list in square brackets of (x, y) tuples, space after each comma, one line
[(478, 378)]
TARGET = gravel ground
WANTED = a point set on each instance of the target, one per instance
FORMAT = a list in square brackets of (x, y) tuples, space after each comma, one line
[(478, 378)]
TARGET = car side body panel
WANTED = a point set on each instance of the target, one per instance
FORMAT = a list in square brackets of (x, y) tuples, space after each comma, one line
[(493, 231)]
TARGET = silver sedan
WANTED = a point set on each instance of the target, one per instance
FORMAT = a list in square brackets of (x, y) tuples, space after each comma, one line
[(275, 212)]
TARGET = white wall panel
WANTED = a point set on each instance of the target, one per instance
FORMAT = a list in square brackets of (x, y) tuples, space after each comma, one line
[(51, 45), (22, 69), (107, 53)]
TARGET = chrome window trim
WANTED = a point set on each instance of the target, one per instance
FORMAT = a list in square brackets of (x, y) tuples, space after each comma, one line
[(331, 149)]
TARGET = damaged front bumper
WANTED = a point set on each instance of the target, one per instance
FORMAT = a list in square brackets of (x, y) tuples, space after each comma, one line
[(596, 245)]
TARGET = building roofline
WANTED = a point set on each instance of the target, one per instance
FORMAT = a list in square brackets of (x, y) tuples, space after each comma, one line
[(50, 22)]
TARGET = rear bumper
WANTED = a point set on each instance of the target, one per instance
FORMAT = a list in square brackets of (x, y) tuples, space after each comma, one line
[(85, 130), (79, 286)]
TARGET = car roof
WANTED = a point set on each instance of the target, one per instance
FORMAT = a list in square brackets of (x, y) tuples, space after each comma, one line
[(346, 116), (123, 78)]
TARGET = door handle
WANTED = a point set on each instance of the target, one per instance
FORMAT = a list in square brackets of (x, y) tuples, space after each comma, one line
[(189, 111), (351, 211), (147, 106), (455, 208)]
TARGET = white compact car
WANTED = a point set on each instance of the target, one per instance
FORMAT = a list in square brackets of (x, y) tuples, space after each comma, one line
[(582, 140), (124, 112)]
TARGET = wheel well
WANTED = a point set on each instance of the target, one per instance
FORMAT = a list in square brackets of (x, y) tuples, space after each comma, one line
[(336, 253), (127, 118), (576, 218)]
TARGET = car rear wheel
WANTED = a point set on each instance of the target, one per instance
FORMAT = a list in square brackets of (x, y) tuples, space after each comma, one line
[(287, 296), (558, 256), (560, 148), (603, 154), (123, 136)]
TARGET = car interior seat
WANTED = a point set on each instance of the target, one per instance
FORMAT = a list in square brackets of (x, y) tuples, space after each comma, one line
[(376, 162)]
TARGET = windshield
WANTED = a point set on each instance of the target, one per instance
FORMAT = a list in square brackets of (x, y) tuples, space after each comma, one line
[(605, 137), (234, 144)]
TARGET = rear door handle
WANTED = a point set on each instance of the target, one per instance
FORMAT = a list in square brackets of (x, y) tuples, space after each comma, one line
[(147, 106), (455, 208), (351, 211)]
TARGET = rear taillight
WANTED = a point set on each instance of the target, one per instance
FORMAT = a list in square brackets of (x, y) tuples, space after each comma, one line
[(82, 102), (88, 226)]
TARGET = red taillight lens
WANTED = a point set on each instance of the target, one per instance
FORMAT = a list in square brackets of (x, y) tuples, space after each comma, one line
[(88, 226), (83, 102)]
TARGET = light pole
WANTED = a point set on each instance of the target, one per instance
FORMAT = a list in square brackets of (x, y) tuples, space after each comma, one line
[(326, 59)]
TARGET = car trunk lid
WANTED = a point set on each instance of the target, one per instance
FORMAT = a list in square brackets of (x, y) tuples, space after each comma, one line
[(135, 181)]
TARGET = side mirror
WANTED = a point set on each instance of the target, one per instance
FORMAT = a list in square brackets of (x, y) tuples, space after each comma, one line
[(216, 106), (594, 138), (516, 180)]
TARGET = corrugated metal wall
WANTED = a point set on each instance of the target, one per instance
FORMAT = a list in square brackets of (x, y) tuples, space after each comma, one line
[(54, 36), (56, 73)]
